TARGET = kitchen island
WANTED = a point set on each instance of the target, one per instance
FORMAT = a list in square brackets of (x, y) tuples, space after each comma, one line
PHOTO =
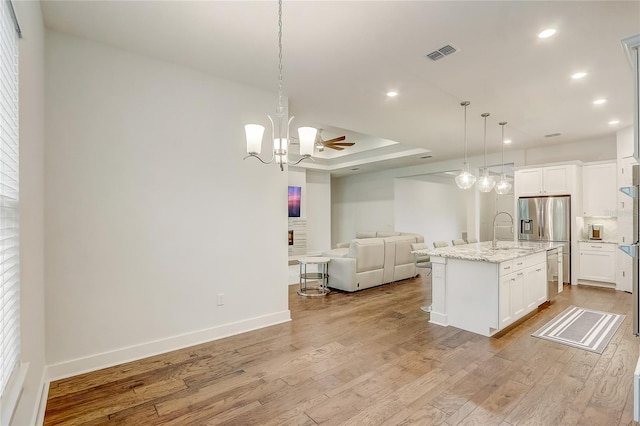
[(484, 290)]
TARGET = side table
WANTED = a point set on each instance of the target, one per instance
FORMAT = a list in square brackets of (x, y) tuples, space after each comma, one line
[(321, 275)]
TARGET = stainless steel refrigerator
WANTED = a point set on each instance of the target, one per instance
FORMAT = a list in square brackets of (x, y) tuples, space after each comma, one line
[(547, 219)]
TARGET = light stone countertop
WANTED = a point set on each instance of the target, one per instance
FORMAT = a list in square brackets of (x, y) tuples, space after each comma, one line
[(585, 240), (482, 252)]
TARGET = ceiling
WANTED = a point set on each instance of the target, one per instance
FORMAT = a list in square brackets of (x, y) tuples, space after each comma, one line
[(341, 58)]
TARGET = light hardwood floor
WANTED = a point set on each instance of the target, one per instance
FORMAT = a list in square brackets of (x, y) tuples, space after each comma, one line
[(368, 358)]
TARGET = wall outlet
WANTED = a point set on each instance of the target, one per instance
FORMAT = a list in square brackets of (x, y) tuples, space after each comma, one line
[(220, 299)]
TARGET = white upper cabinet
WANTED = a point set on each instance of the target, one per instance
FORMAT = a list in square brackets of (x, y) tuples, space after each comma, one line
[(558, 180), (528, 182), (551, 180), (599, 191)]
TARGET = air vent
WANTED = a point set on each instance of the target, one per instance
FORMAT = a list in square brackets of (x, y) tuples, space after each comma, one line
[(426, 156), (442, 52), (552, 135), (434, 56)]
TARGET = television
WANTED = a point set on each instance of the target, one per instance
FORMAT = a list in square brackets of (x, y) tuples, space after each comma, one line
[(295, 193)]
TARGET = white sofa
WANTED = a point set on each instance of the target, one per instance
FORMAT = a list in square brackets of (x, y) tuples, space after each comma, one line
[(378, 234), (369, 262)]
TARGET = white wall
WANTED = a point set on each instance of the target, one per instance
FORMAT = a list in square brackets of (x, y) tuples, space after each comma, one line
[(361, 202), (487, 209), (589, 150), (315, 206), (490, 204), (318, 211), (32, 314), (150, 211), (435, 210), (624, 142)]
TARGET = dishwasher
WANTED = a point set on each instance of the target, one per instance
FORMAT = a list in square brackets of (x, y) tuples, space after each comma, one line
[(554, 272)]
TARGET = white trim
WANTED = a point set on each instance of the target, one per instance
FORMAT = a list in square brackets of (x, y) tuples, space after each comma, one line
[(132, 353), (636, 392), (9, 400), (38, 415), (336, 165)]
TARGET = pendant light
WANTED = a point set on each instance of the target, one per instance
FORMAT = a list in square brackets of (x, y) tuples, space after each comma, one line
[(503, 186), (254, 132), (465, 180), (486, 182)]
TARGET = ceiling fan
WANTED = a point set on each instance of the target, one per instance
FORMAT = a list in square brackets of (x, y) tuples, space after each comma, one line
[(335, 143)]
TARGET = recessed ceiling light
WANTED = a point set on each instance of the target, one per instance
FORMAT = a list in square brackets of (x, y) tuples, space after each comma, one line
[(614, 122), (599, 101), (507, 141), (392, 94), (578, 75), (547, 33)]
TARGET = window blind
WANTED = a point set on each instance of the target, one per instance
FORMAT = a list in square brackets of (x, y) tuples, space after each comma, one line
[(9, 249)]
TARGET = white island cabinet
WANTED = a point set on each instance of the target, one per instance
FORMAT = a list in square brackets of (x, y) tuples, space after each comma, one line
[(523, 289), (483, 290)]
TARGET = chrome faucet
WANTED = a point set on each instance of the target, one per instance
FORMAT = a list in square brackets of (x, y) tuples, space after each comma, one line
[(495, 242)]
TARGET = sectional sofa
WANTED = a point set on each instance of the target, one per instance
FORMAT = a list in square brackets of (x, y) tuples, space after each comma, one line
[(371, 260)]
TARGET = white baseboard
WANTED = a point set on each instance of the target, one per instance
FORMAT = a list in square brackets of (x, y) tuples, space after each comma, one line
[(119, 356), (438, 319)]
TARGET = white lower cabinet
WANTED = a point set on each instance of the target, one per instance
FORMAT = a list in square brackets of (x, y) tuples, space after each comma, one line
[(506, 317), (597, 262), (540, 282), (523, 287), (518, 303), (535, 286)]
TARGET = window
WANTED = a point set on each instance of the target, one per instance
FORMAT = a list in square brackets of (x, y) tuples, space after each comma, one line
[(9, 250)]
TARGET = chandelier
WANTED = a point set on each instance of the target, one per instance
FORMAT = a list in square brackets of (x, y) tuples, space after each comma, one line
[(503, 186), (465, 179), (486, 182), (279, 128)]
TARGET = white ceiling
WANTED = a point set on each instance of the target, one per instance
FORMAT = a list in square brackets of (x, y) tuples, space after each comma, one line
[(341, 57)]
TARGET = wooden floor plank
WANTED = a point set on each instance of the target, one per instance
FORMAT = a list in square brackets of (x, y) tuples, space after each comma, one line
[(368, 358)]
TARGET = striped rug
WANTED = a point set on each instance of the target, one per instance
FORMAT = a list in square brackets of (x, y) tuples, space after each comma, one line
[(581, 328)]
